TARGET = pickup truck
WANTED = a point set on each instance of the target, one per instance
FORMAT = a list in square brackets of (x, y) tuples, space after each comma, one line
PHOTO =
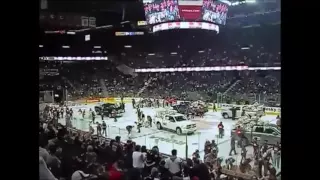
[(227, 112), (268, 132), (182, 108), (175, 122)]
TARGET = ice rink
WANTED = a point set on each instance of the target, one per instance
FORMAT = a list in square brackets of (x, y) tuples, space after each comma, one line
[(166, 140)]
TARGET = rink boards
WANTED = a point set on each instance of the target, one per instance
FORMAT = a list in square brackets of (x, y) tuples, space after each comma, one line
[(268, 110)]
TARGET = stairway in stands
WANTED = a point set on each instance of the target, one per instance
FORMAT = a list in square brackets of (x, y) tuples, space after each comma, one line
[(103, 88), (232, 86), (146, 85), (67, 81)]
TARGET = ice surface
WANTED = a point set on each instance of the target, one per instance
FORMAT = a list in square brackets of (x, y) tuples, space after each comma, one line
[(165, 140)]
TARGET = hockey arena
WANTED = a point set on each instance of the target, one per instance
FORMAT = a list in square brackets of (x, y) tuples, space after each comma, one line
[(160, 90)]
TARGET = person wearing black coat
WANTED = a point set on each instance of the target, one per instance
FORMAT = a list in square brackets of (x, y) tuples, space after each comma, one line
[(201, 171)]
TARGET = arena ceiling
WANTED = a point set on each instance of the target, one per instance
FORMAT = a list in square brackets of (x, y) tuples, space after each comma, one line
[(112, 13)]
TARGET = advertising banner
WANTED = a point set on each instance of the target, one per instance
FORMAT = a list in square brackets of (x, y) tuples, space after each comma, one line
[(190, 12), (190, 9), (92, 100)]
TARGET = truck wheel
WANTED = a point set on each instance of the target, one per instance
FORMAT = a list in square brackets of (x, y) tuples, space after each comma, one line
[(178, 130), (225, 116), (159, 126)]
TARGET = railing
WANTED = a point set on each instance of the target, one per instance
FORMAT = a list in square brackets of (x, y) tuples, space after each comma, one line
[(232, 86), (150, 137)]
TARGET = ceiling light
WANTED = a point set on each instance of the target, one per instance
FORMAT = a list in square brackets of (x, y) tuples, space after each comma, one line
[(71, 32)]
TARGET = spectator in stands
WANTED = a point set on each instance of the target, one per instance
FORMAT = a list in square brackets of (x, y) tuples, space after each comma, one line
[(54, 163), (138, 158), (116, 170), (174, 164), (44, 172), (42, 151), (91, 156)]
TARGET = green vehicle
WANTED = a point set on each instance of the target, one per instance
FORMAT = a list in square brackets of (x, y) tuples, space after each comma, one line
[(270, 132)]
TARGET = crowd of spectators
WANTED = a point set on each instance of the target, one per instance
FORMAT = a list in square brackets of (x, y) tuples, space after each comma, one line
[(85, 79), (247, 46), (68, 155), (71, 154)]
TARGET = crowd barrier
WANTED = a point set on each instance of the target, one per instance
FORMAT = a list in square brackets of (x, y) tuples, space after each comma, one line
[(232, 173), (106, 139)]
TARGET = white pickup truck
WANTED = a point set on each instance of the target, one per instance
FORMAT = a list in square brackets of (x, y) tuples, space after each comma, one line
[(227, 112), (175, 122)]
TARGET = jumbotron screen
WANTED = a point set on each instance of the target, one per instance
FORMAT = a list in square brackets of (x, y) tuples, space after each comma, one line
[(159, 11)]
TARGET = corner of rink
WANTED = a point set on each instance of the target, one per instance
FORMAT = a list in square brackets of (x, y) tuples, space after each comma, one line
[(165, 140)]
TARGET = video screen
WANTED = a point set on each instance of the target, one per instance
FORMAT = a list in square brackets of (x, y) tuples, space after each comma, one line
[(159, 11), (214, 11)]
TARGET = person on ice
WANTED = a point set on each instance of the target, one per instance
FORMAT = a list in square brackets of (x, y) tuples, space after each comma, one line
[(139, 124), (104, 128), (278, 121), (214, 145), (255, 146), (71, 113), (99, 129), (93, 116), (114, 114), (129, 129), (149, 119), (122, 106), (61, 112), (221, 130), (233, 146), (138, 113), (83, 113), (214, 107)]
